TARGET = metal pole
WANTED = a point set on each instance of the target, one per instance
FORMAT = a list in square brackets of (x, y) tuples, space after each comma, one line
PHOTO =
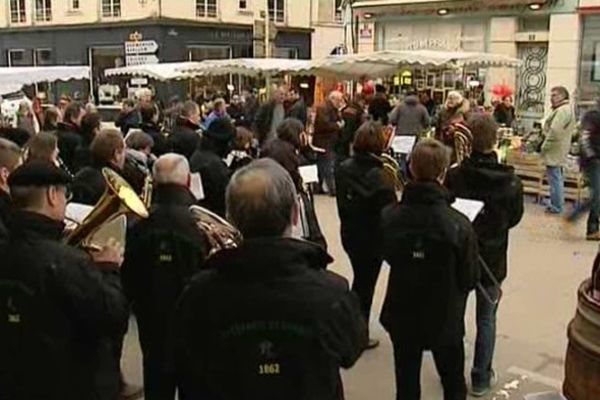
[(267, 30), (268, 43)]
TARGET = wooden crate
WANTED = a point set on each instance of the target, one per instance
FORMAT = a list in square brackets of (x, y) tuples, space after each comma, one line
[(532, 171)]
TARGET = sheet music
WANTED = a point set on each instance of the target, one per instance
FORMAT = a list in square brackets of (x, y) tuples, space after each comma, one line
[(77, 212), (469, 208), (403, 144), (196, 186), (309, 173)]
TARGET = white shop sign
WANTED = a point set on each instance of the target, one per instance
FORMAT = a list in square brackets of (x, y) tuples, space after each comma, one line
[(141, 59), (141, 47)]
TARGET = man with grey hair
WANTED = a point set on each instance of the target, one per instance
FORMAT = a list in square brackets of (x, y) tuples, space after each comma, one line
[(269, 116), (558, 131), (266, 320), (162, 254), (185, 136)]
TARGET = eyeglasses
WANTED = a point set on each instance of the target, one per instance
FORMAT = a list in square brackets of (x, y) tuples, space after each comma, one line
[(67, 192)]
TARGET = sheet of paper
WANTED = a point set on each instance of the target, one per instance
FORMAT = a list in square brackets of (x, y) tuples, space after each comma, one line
[(309, 173), (196, 186), (403, 144), (469, 208), (77, 212)]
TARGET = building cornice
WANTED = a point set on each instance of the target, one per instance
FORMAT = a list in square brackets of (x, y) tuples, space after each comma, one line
[(146, 22)]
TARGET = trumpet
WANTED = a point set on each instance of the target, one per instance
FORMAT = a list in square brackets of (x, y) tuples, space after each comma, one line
[(219, 232), (107, 220)]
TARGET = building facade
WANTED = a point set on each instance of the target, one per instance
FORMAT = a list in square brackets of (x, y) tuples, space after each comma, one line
[(544, 34), (94, 32), (328, 34)]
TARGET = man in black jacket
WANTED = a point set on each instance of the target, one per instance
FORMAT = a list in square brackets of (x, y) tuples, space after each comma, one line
[(10, 159), (149, 114), (186, 134), (266, 320), (69, 133), (481, 177), (61, 307), (108, 151), (208, 161), (163, 252), (432, 252)]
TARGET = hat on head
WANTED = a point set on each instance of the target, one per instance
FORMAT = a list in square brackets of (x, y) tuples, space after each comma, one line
[(221, 129), (39, 173)]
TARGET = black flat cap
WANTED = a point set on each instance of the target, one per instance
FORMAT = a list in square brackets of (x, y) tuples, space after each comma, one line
[(39, 173)]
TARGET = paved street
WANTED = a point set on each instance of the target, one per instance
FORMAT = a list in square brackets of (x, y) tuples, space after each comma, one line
[(546, 267)]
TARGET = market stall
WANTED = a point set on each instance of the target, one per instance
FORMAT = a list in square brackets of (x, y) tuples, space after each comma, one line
[(161, 72), (255, 67), (388, 62), (12, 79)]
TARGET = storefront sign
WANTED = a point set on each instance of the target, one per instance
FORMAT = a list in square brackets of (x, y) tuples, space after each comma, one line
[(366, 32), (141, 59), (143, 47)]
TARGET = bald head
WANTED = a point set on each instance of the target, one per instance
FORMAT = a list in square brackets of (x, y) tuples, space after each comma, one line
[(171, 168), (261, 200)]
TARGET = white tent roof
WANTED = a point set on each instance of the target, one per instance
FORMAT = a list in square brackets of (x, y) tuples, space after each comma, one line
[(247, 66), (161, 72), (387, 62), (12, 79)]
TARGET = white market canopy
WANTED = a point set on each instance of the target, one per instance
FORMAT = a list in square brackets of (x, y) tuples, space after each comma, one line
[(387, 62), (247, 66), (160, 72), (12, 79)]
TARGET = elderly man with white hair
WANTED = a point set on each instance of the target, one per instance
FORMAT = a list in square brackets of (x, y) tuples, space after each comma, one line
[(162, 254), (328, 126)]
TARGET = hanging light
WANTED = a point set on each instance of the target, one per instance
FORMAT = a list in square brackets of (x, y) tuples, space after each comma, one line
[(368, 16), (535, 6), (442, 11)]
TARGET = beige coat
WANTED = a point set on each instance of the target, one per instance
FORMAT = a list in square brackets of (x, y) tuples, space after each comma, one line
[(558, 131)]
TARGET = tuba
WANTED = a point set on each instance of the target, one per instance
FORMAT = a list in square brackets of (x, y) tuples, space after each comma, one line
[(107, 219), (220, 233)]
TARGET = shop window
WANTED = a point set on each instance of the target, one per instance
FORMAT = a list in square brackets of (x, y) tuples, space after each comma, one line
[(107, 91), (111, 8), (43, 10), (285, 52), (199, 53), (534, 24), (43, 57), (277, 10), (206, 8), (20, 58), (17, 11), (338, 10)]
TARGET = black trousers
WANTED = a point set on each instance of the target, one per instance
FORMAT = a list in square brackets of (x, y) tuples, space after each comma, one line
[(449, 362), (160, 380), (366, 265)]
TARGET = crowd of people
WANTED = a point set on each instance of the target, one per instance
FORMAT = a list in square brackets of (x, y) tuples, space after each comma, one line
[(264, 319)]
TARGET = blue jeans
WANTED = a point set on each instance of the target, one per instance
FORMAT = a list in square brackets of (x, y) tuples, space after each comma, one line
[(485, 342), (556, 182), (592, 173), (325, 167)]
